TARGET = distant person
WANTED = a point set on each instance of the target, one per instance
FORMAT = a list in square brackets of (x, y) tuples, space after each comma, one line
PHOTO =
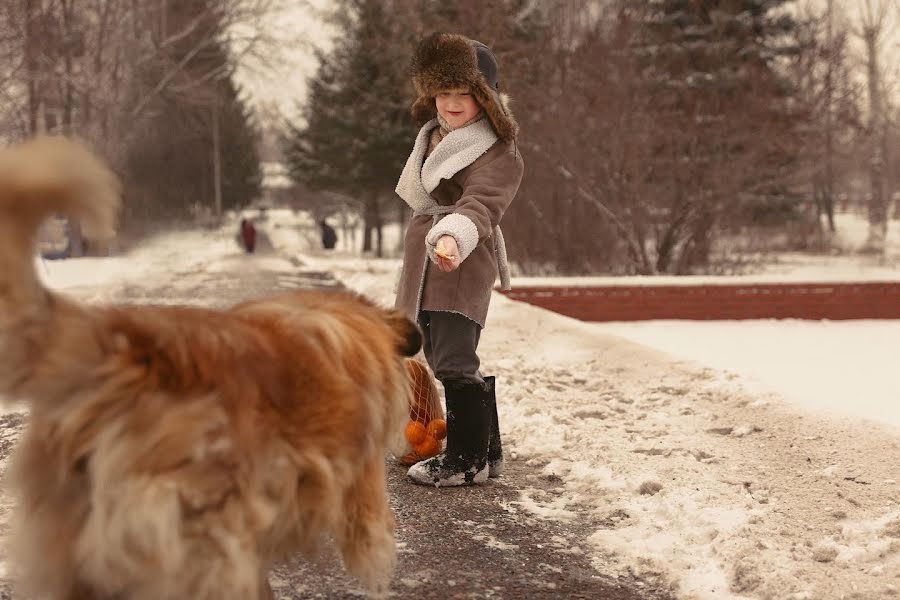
[(329, 236), (248, 235)]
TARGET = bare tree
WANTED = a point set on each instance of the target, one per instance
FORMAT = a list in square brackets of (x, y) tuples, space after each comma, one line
[(828, 94), (80, 57), (99, 69), (827, 195), (870, 27)]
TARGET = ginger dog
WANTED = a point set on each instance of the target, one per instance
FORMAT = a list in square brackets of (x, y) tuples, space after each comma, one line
[(176, 453)]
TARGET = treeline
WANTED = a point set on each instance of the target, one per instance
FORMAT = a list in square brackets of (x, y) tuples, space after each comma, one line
[(147, 84), (651, 130)]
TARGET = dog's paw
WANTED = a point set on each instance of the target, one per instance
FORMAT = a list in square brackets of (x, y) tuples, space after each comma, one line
[(370, 554)]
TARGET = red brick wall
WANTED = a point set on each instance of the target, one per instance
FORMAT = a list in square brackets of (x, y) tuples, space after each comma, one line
[(723, 302)]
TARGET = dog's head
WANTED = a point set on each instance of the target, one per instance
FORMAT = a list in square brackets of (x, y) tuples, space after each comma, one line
[(409, 337)]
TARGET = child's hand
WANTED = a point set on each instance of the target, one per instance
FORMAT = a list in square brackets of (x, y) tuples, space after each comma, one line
[(447, 253)]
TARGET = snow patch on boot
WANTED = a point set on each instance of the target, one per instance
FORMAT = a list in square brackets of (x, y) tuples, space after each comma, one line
[(433, 472)]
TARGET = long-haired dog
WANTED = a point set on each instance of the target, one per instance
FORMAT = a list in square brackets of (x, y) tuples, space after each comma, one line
[(176, 453)]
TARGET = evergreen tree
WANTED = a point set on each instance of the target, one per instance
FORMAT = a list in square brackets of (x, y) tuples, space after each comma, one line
[(357, 131), (721, 104)]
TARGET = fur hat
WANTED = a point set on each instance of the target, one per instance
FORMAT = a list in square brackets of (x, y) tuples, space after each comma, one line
[(444, 61)]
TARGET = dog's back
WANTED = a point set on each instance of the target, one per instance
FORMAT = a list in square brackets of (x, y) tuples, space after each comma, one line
[(178, 452)]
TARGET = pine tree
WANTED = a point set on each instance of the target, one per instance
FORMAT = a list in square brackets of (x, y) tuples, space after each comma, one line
[(357, 130), (726, 144)]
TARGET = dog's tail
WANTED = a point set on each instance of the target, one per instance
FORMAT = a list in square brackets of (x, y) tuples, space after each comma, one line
[(40, 178)]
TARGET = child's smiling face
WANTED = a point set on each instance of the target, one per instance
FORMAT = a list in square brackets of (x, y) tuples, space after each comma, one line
[(456, 106)]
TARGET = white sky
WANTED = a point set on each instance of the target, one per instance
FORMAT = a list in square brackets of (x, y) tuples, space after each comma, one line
[(278, 78), (850, 12)]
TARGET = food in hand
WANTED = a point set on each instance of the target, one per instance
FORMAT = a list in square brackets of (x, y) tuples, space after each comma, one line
[(440, 252)]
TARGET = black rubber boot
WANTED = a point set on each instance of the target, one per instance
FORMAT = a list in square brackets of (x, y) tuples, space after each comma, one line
[(464, 461), (495, 447)]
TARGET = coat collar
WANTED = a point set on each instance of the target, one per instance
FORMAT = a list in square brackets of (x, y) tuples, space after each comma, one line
[(459, 149)]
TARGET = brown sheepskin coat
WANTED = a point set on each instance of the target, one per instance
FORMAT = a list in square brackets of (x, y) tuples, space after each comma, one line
[(478, 194)]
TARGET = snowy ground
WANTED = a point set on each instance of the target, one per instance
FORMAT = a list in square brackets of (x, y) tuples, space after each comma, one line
[(844, 368), (694, 477)]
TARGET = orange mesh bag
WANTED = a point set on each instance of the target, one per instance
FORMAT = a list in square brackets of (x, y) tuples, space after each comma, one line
[(426, 428)]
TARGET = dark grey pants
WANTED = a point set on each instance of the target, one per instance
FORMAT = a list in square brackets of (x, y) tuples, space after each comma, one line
[(450, 343)]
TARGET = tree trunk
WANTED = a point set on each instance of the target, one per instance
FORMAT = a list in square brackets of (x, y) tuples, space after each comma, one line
[(370, 208), (696, 250), (402, 221), (68, 46), (216, 160), (877, 194), (827, 203), (31, 65), (378, 225)]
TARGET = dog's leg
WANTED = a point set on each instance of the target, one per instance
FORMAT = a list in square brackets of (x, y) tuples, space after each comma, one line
[(265, 589), (80, 592), (367, 537)]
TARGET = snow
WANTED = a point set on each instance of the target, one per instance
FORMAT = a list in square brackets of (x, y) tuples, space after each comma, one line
[(844, 368), (845, 273), (680, 459)]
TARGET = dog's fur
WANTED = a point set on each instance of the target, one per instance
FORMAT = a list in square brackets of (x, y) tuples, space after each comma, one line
[(177, 453)]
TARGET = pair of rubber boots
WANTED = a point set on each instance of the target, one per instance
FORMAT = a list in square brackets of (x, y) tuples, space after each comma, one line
[(473, 452)]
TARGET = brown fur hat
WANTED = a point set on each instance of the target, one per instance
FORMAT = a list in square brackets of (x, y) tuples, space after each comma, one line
[(447, 60)]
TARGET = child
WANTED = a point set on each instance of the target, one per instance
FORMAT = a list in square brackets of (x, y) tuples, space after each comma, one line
[(464, 171)]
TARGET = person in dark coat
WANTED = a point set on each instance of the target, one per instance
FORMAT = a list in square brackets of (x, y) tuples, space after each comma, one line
[(248, 235), (463, 173), (329, 235)]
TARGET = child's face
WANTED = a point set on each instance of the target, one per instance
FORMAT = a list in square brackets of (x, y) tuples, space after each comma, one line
[(456, 106)]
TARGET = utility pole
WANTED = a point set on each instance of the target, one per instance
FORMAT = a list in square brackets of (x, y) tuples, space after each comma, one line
[(32, 46), (829, 123), (217, 158)]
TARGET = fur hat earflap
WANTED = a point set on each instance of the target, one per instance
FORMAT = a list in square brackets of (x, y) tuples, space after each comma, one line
[(444, 61)]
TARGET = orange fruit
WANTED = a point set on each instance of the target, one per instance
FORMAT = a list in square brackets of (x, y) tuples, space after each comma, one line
[(437, 429), (409, 459), (428, 448), (415, 433), (425, 402)]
